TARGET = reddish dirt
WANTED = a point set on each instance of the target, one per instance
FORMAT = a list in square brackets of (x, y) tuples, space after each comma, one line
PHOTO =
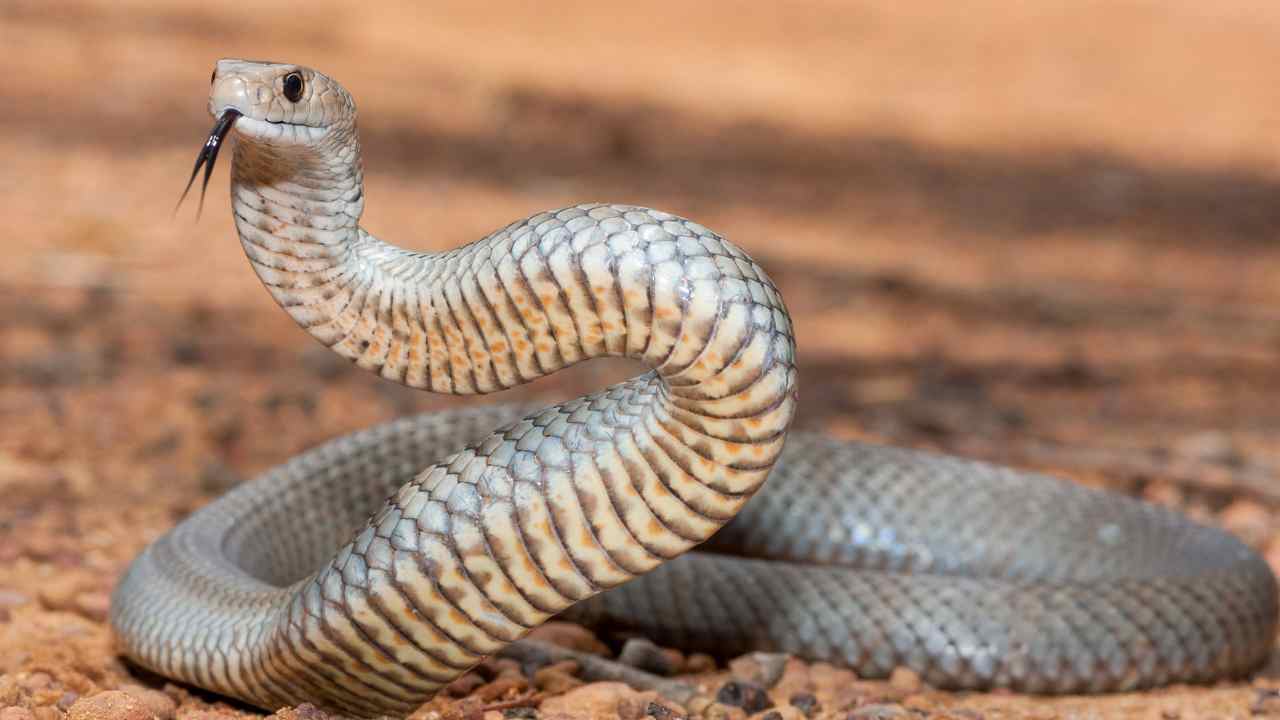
[(1037, 233)]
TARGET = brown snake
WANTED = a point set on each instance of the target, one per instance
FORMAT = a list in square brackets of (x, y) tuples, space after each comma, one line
[(366, 574)]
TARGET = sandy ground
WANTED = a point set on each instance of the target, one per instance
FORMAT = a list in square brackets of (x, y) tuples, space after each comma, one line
[(1040, 233)]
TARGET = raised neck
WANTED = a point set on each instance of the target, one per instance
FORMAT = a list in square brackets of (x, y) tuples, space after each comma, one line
[(298, 195)]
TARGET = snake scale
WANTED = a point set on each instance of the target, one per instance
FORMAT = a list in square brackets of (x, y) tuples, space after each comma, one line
[(366, 574)]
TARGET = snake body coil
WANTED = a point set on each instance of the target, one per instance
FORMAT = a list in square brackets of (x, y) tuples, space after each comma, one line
[(309, 584)]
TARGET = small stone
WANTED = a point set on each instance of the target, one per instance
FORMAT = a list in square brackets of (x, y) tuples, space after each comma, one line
[(903, 678), (464, 685), (806, 703), (631, 708), (558, 678), (917, 703), (699, 704), (66, 700), (658, 711), (161, 706), (699, 663), (1163, 492), (571, 636), (720, 711), (94, 605), (1265, 701), (589, 701), (878, 712), (786, 712), (16, 713), (1212, 447), (307, 711), (59, 593), (10, 599), (503, 686), (524, 712), (36, 681), (847, 697), (750, 697), (643, 654), (763, 669), (647, 706), (1248, 520), (505, 667), (108, 705)]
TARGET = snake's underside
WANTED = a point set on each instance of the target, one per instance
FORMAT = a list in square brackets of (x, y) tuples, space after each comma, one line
[(366, 574)]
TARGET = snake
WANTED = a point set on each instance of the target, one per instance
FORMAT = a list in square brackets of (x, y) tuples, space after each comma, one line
[(366, 574)]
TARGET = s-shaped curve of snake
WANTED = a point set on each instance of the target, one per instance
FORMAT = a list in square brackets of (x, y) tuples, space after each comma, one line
[(366, 574)]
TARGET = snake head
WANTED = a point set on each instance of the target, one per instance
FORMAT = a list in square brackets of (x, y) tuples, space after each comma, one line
[(279, 103), (277, 106)]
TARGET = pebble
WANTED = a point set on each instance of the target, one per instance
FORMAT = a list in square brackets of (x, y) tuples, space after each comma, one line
[(699, 704), (307, 711), (1210, 446), (878, 712), (699, 663), (720, 711), (464, 685), (644, 707), (605, 699), (828, 675), (1163, 492), (503, 686), (16, 713), (785, 712), (571, 636), (806, 703), (10, 599), (658, 711), (589, 701), (558, 678), (903, 678), (763, 669), (108, 705), (67, 699), (161, 706), (36, 681), (643, 654), (504, 667), (1271, 553), (750, 697), (1248, 520), (1265, 701), (93, 604)]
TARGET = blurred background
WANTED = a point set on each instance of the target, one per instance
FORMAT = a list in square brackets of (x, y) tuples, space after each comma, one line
[(1041, 232)]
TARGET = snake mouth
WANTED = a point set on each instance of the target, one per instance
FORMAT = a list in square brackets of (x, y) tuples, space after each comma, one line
[(208, 155)]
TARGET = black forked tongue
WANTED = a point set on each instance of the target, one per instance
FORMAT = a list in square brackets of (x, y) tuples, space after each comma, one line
[(209, 155)]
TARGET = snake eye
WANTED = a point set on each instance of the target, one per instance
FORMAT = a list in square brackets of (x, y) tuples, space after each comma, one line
[(213, 76), (293, 86)]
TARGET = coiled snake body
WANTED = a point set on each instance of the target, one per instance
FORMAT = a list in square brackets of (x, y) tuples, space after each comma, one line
[(309, 584)]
